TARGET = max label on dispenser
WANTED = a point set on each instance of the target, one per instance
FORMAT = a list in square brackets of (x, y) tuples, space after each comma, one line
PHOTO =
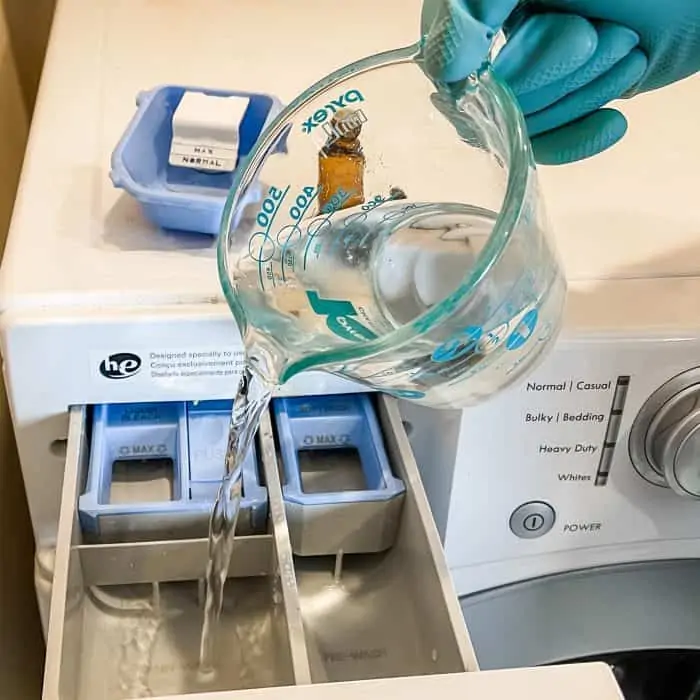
[(330, 440)]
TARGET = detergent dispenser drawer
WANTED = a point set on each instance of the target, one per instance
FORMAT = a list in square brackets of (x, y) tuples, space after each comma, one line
[(336, 574)]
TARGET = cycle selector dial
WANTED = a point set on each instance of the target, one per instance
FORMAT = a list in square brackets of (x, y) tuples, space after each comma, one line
[(665, 436)]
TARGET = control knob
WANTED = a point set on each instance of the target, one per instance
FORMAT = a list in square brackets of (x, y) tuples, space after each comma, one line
[(665, 436)]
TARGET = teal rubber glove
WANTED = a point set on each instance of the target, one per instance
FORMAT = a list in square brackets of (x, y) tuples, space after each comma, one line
[(566, 59)]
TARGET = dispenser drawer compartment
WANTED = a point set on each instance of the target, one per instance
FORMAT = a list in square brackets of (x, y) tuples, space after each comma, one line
[(126, 613), (341, 493), (126, 616), (154, 470), (386, 609)]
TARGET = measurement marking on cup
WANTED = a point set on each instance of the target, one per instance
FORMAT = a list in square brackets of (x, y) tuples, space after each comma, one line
[(302, 202), (265, 218), (335, 203), (297, 211)]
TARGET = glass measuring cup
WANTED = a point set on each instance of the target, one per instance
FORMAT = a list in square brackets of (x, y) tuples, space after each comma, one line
[(401, 240)]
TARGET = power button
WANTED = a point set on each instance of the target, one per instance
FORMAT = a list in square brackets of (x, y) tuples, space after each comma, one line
[(532, 519)]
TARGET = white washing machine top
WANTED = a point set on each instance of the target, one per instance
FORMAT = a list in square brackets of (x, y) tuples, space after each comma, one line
[(77, 241), (630, 212)]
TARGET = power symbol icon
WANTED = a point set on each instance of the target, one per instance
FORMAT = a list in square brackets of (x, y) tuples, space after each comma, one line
[(533, 522)]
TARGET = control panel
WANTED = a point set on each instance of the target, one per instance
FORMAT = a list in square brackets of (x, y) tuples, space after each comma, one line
[(592, 460)]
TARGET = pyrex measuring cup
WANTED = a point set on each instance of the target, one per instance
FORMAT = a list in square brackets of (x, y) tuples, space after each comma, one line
[(401, 240)]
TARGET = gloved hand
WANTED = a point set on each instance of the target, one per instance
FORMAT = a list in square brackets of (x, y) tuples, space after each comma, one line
[(565, 59)]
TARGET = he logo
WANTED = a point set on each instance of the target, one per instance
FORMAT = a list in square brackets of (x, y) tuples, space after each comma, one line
[(120, 365)]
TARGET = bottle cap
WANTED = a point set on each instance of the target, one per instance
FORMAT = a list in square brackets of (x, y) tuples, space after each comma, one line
[(346, 123)]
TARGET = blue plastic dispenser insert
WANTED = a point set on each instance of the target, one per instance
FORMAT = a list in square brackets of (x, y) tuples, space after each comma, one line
[(179, 198), (340, 492), (155, 469)]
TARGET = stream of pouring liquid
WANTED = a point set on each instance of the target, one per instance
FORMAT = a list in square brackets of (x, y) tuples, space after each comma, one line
[(251, 401)]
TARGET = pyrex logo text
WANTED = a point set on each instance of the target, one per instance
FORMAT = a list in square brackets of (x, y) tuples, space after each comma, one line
[(322, 114), (120, 365)]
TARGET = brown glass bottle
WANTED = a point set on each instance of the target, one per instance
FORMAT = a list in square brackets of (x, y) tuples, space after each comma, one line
[(341, 164)]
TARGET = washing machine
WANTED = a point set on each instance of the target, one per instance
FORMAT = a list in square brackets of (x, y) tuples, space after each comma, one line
[(565, 506), (109, 325), (568, 505)]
